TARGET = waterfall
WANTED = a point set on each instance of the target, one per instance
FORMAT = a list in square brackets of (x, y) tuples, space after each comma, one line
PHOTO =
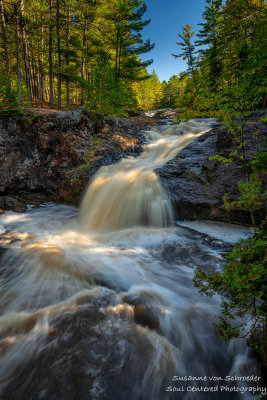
[(129, 193)]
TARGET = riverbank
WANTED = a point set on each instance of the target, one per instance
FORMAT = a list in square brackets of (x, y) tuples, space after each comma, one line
[(50, 156)]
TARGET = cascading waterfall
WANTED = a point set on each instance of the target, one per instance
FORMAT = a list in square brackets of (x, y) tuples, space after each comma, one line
[(129, 193), (101, 305)]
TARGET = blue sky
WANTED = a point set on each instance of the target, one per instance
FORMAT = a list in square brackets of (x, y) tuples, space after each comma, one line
[(167, 19)]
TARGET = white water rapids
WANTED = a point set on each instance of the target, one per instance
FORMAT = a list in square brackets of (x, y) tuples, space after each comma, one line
[(100, 305)]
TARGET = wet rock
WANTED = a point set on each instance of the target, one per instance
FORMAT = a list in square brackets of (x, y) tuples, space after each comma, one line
[(14, 203), (89, 353), (10, 237), (168, 113), (144, 316), (135, 113), (196, 185), (145, 309)]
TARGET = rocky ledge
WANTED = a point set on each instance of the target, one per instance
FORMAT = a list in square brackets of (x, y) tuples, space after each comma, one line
[(51, 156), (196, 184)]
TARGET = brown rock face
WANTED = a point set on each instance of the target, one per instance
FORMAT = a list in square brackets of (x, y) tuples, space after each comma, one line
[(44, 156)]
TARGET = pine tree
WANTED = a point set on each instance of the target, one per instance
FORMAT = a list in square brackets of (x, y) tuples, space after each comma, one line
[(126, 21), (148, 92), (209, 36), (173, 90), (188, 53)]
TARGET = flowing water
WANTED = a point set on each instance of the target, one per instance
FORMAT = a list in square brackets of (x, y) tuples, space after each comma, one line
[(99, 303)]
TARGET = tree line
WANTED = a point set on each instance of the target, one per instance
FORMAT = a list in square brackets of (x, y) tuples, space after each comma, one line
[(228, 57), (66, 52), (225, 59)]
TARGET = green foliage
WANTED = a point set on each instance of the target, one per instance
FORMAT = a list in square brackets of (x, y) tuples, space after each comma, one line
[(188, 48), (8, 98), (105, 93), (209, 36), (253, 196), (125, 19), (173, 91), (264, 120), (148, 92), (243, 288), (232, 55)]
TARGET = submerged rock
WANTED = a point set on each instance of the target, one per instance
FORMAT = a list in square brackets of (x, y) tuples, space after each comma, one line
[(13, 203), (90, 348)]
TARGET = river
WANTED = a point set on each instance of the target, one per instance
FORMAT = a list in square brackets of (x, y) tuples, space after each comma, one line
[(98, 302)]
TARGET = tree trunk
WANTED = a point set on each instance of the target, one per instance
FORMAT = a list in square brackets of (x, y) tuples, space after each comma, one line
[(120, 51), (117, 52), (34, 81), (3, 24), (18, 55), (51, 55), (83, 59), (59, 61), (67, 56), (41, 63), (47, 90), (25, 53), (118, 38)]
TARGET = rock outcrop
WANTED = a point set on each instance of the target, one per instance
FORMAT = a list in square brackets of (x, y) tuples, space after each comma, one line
[(50, 157), (196, 185)]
